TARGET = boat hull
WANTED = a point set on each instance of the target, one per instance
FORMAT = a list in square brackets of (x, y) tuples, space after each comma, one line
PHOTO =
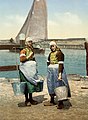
[(36, 50), (39, 50)]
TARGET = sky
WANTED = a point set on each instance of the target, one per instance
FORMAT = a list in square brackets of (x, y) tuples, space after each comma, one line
[(66, 18)]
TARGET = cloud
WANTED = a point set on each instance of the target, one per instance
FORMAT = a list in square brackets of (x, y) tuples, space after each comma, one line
[(62, 25), (66, 25), (11, 25), (15, 18), (69, 18)]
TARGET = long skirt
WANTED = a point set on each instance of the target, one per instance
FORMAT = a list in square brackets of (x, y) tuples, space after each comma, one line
[(52, 79), (28, 74)]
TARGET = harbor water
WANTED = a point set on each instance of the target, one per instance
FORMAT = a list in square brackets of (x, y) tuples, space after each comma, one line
[(75, 62)]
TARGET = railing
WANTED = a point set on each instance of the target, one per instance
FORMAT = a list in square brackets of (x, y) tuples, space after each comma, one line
[(9, 47), (9, 67)]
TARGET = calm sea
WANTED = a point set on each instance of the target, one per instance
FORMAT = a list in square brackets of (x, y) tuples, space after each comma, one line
[(75, 62)]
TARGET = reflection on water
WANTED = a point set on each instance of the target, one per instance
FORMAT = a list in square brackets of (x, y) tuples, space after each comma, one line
[(75, 62)]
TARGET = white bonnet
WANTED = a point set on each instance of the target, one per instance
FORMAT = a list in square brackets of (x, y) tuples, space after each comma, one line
[(28, 39), (52, 43)]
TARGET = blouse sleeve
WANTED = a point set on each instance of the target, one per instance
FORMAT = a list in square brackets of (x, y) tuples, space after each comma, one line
[(60, 57)]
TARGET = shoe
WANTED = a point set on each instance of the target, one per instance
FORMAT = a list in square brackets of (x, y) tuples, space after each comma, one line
[(33, 102), (27, 103), (60, 106), (48, 103)]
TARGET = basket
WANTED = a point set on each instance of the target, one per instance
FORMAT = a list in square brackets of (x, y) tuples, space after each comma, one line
[(19, 88), (61, 92)]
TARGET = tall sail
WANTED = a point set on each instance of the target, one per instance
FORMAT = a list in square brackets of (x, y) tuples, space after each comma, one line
[(35, 25)]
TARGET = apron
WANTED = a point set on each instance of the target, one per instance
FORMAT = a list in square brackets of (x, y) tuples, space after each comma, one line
[(52, 79)]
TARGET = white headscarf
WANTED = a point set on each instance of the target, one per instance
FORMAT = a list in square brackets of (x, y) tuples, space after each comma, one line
[(52, 43), (28, 39)]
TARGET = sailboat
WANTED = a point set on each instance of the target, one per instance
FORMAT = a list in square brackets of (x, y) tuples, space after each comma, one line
[(35, 25)]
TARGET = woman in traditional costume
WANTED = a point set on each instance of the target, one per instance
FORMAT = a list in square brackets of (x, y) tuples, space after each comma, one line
[(28, 71), (56, 73)]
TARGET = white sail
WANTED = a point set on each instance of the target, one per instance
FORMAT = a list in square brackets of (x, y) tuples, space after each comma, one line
[(35, 25)]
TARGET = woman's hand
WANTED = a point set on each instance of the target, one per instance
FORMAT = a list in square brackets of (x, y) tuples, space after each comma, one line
[(30, 55), (60, 76)]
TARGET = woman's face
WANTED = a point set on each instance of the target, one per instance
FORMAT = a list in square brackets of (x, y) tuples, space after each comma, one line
[(29, 44), (53, 47)]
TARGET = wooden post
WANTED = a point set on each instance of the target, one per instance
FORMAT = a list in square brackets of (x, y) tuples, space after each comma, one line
[(22, 40), (22, 43), (86, 47)]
